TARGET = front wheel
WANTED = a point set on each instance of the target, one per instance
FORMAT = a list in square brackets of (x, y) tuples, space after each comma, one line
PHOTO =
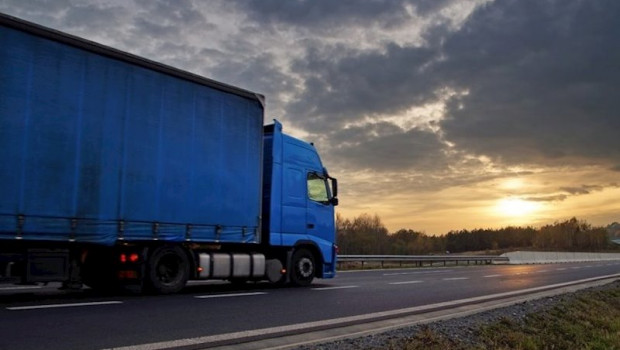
[(168, 270), (303, 268)]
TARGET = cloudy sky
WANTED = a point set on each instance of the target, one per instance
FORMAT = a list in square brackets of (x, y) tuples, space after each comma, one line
[(436, 115)]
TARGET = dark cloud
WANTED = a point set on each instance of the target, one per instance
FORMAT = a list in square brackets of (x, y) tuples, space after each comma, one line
[(571, 191), (543, 78), (93, 18), (32, 10), (161, 30), (547, 198), (259, 73), (324, 15), (387, 148), (182, 13), (584, 189), (356, 86), (425, 7)]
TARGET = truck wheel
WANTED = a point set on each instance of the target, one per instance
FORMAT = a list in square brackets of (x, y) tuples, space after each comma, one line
[(303, 268), (167, 270)]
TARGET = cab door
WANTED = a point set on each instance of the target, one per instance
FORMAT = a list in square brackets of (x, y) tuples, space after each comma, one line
[(320, 210)]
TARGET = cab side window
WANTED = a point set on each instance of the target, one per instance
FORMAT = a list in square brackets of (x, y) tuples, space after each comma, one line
[(317, 188)]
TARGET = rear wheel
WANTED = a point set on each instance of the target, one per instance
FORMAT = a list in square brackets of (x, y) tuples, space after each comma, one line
[(303, 267), (167, 270)]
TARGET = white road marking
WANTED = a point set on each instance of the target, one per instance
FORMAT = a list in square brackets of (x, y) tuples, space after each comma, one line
[(406, 282), (228, 295), (20, 287), (200, 282), (560, 269), (456, 278), (490, 276), (332, 288), (414, 273), (539, 271), (51, 306)]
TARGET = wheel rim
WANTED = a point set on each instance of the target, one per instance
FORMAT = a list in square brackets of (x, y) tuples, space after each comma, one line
[(305, 267), (168, 269)]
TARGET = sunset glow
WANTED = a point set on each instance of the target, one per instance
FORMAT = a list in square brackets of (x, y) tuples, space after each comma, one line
[(515, 207)]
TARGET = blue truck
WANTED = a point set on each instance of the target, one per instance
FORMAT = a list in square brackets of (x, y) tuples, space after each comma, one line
[(121, 171)]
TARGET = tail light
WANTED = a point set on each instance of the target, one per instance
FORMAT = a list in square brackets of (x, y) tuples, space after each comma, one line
[(132, 258)]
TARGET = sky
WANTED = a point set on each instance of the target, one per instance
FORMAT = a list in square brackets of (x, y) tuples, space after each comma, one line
[(435, 115)]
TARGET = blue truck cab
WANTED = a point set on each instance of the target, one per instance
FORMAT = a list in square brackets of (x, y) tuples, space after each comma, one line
[(298, 201)]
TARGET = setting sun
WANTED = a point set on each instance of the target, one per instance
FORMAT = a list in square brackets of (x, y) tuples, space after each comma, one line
[(516, 207)]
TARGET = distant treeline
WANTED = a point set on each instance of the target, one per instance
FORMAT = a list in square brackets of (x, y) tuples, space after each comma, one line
[(366, 234)]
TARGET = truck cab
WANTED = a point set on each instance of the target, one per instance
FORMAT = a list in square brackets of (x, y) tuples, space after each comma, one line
[(299, 198)]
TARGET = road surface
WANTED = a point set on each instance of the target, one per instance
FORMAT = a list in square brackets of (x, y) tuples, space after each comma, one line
[(42, 317)]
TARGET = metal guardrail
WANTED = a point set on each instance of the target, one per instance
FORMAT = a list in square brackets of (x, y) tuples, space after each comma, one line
[(420, 260)]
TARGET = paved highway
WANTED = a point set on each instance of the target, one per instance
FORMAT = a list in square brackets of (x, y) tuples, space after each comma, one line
[(34, 317)]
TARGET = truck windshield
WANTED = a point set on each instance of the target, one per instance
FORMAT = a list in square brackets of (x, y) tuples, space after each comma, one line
[(317, 188)]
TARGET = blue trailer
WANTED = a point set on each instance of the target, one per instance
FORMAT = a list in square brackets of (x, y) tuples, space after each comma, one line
[(117, 170)]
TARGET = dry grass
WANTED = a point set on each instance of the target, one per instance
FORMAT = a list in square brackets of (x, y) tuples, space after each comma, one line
[(589, 321)]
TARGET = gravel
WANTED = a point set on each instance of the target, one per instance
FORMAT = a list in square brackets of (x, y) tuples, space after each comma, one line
[(461, 330)]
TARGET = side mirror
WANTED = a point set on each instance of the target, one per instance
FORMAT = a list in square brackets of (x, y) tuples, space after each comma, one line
[(334, 201), (334, 187)]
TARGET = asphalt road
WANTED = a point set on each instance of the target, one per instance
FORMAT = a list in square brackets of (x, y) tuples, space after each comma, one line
[(41, 317)]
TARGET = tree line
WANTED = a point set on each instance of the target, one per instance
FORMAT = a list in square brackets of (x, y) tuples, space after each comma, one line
[(366, 234)]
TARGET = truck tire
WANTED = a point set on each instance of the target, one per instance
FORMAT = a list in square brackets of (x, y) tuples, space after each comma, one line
[(303, 268), (167, 270)]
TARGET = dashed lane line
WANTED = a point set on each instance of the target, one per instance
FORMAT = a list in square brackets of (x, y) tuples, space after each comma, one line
[(415, 273), (456, 278), (491, 276), (332, 288), (212, 296), (51, 306), (20, 287), (406, 282)]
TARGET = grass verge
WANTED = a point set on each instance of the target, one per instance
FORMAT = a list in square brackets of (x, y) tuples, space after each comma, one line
[(589, 320)]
